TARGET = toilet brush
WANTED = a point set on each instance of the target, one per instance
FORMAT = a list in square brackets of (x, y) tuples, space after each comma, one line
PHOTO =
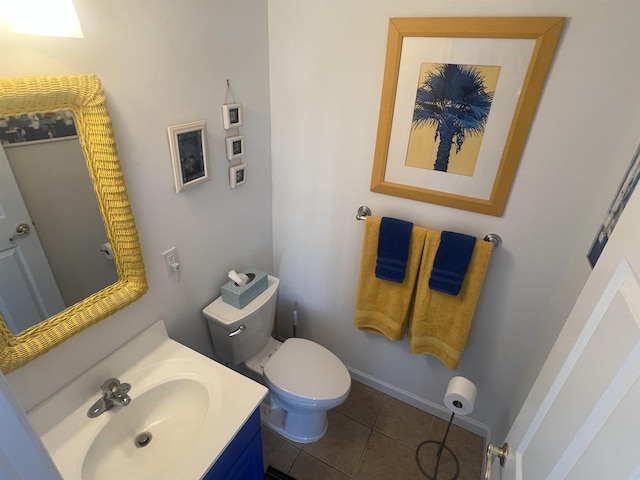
[(295, 319)]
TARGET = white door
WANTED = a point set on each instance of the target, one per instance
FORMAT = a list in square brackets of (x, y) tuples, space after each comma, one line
[(28, 290), (581, 419)]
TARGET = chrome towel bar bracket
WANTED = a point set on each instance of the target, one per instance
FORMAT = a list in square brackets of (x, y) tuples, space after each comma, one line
[(493, 238), (363, 211)]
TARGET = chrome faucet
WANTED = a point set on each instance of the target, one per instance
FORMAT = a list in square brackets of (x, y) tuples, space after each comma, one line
[(113, 393)]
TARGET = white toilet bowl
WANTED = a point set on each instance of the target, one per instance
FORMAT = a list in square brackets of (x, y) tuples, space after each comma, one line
[(305, 380)]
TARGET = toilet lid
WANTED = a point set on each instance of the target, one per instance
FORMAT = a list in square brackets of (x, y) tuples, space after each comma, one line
[(306, 369)]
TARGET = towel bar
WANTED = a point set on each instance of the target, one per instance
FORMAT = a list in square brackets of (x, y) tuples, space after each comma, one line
[(494, 238)]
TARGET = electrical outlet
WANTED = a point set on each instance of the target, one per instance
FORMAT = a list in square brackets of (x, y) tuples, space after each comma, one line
[(171, 260)]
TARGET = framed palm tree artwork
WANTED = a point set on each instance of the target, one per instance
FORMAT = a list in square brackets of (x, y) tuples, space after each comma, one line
[(458, 98)]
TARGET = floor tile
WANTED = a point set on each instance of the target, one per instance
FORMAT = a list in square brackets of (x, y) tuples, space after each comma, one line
[(374, 436), (276, 451), (404, 423), (342, 445), (307, 467), (467, 446), (363, 404), (446, 466), (385, 458)]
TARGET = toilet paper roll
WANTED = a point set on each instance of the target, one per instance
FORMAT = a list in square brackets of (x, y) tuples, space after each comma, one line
[(460, 396), (107, 251)]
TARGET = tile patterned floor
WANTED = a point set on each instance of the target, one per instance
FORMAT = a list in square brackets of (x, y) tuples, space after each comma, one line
[(374, 436)]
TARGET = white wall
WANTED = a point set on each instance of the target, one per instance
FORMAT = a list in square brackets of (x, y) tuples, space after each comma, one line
[(326, 63), (165, 63)]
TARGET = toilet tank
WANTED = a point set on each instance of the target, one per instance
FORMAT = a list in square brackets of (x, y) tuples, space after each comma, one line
[(240, 333)]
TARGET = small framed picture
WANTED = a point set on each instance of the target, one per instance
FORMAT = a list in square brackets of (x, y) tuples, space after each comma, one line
[(235, 147), (238, 175), (231, 115), (188, 154)]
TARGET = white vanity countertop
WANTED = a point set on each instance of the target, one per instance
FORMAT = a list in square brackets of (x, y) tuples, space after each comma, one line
[(147, 361)]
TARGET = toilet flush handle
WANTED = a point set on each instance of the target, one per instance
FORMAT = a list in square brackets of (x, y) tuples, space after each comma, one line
[(238, 331)]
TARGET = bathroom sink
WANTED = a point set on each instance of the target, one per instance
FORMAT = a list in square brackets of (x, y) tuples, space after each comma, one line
[(184, 410), (147, 437)]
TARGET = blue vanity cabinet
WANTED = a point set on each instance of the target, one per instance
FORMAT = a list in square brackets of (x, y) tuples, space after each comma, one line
[(242, 459)]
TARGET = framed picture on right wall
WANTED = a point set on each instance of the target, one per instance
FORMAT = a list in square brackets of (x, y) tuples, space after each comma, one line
[(626, 188)]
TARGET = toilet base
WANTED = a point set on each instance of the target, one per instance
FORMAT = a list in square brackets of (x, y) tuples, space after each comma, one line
[(298, 427)]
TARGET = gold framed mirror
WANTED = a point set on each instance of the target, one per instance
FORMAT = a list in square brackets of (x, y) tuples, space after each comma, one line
[(84, 96)]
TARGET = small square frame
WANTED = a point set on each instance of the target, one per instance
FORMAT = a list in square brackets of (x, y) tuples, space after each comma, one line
[(235, 147), (237, 175), (188, 154), (231, 115)]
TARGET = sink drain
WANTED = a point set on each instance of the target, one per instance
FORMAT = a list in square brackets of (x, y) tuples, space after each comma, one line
[(143, 440)]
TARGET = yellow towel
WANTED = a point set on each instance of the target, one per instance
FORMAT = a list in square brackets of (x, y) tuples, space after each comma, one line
[(381, 306), (440, 322)]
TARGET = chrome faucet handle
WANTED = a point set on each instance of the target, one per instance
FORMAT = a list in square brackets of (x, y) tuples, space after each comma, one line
[(113, 393), (113, 389), (113, 386)]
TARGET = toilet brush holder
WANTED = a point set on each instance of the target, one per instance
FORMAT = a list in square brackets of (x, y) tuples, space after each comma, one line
[(241, 295)]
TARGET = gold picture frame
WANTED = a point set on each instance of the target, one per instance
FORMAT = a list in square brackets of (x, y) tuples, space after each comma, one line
[(468, 41)]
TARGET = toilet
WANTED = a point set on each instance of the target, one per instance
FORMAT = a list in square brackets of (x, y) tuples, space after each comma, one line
[(304, 379)]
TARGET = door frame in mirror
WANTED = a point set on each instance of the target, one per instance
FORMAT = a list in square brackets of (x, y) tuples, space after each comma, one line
[(84, 96)]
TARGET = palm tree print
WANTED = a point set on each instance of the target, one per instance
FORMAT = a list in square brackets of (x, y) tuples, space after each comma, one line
[(453, 99)]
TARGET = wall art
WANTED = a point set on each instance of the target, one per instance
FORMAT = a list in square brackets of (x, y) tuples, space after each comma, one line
[(626, 188), (238, 175), (235, 147), (458, 98), (231, 115), (188, 154), (36, 127)]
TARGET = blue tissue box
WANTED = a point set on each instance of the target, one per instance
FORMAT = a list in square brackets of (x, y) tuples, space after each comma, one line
[(240, 296)]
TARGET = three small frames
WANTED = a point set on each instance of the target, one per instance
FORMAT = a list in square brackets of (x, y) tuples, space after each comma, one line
[(232, 119)]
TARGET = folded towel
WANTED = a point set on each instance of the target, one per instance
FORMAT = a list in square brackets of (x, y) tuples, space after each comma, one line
[(393, 249), (451, 262), (440, 322), (382, 307)]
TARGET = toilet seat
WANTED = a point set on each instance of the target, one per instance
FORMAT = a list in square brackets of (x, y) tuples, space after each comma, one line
[(307, 371)]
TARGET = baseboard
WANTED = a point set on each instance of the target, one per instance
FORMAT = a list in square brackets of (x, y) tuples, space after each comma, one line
[(423, 404)]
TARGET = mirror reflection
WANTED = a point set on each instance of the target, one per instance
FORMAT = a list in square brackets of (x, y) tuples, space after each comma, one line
[(64, 257)]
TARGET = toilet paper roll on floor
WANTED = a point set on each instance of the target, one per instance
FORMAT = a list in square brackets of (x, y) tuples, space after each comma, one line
[(460, 396)]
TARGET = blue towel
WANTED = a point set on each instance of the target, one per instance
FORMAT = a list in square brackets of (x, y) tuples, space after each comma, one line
[(451, 262), (393, 249)]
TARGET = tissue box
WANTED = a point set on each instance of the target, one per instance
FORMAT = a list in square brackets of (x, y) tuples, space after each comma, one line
[(240, 296)]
